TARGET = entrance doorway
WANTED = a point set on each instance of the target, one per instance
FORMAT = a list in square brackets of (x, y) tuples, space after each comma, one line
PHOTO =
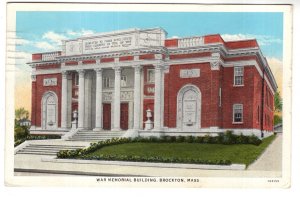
[(106, 116), (124, 116)]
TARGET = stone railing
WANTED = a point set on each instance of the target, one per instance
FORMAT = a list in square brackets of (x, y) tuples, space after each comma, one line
[(50, 56), (190, 42)]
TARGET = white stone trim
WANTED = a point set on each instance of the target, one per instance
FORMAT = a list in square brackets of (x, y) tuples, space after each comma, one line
[(180, 95), (43, 107)]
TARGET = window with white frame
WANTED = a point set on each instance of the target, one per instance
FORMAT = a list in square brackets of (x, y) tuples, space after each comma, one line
[(106, 82), (76, 79), (123, 81), (150, 75), (238, 76), (237, 113)]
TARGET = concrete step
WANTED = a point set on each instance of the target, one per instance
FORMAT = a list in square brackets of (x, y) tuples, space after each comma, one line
[(46, 149), (93, 136)]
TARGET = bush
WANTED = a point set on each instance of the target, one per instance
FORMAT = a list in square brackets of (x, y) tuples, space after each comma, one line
[(229, 138), (254, 140), (21, 132)]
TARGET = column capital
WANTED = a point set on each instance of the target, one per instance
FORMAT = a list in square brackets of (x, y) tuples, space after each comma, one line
[(81, 72), (98, 70), (64, 74), (137, 68), (117, 69)]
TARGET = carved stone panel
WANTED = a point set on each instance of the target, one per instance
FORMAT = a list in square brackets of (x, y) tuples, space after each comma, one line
[(189, 73), (189, 108), (50, 82)]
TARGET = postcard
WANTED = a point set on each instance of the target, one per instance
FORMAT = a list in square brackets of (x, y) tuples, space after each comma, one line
[(148, 95)]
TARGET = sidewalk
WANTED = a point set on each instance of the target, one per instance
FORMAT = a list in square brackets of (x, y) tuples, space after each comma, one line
[(270, 160)]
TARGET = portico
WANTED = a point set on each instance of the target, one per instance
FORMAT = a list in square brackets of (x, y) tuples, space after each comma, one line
[(123, 85)]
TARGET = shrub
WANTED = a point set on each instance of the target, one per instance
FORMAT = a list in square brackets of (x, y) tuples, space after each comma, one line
[(207, 139), (189, 139), (229, 138), (254, 140), (199, 139), (180, 139), (20, 132)]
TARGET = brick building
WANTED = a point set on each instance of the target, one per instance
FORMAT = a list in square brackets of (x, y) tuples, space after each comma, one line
[(190, 86)]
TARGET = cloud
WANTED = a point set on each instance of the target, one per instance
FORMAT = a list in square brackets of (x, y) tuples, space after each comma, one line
[(82, 32), (45, 46), (54, 37), (263, 40)]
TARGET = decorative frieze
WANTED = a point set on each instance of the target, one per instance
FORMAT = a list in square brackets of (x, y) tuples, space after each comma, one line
[(125, 96), (189, 73), (50, 82)]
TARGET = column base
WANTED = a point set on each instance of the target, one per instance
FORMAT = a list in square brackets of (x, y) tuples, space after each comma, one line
[(98, 129)]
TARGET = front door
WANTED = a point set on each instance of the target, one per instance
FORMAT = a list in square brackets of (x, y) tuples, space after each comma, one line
[(124, 116), (106, 116)]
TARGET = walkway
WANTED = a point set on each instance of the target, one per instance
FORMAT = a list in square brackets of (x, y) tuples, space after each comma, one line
[(270, 160)]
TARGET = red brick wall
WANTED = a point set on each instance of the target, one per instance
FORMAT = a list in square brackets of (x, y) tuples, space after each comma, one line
[(238, 95), (173, 83), (241, 44), (146, 56), (126, 58), (105, 60), (190, 55), (40, 91), (36, 57), (213, 39), (89, 62), (171, 43)]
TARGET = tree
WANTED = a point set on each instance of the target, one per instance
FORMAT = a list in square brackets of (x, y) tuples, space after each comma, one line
[(278, 102), (21, 113)]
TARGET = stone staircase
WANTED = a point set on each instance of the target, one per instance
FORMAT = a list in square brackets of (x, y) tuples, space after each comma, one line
[(93, 136), (46, 149)]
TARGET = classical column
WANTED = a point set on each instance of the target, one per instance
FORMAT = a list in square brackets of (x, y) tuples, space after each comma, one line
[(64, 100), (98, 121), (157, 98), (137, 97), (81, 99), (117, 99)]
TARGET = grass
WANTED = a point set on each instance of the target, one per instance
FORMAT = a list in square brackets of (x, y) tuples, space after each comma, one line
[(238, 153)]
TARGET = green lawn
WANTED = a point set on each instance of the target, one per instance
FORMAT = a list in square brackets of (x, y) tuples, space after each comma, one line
[(242, 154)]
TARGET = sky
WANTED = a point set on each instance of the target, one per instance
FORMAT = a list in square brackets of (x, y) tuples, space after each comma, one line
[(43, 32)]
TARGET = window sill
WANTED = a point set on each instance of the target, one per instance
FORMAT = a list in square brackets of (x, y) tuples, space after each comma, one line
[(238, 85), (237, 122)]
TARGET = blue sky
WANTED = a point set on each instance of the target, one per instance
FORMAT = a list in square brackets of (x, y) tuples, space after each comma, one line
[(266, 27)]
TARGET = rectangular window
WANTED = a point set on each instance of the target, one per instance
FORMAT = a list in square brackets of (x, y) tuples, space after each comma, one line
[(237, 113), (238, 76), (150, 75), (76, 79), (106, 82), (123, 81)]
